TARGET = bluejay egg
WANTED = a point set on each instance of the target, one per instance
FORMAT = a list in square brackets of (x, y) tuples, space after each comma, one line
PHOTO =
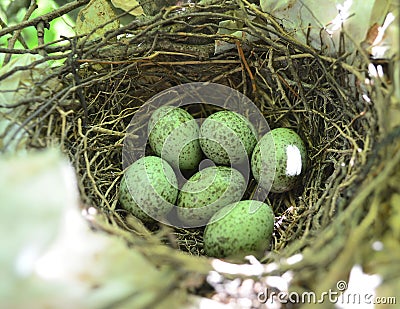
[(149, 189), (227, 138), (174, 136), (207, 191), (278, 160), (240, 228)]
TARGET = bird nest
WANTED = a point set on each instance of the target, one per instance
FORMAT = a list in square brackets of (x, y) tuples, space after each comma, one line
[(103, 82)]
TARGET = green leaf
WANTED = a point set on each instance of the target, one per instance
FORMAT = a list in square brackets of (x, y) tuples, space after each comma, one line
[(97, 17)]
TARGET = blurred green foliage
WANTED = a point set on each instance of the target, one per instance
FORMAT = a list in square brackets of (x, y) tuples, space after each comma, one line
[(12, 14)]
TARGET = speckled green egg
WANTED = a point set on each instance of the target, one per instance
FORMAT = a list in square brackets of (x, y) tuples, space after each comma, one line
[(173, 135), (227, 138), (207, 191), (240, 228), (278, 160), (149, 189)]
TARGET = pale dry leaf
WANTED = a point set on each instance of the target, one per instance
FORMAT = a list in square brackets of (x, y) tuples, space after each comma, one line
[(233, 29), (13, 88), (50, 256), (305, 20), (17, 85), (130, 6)]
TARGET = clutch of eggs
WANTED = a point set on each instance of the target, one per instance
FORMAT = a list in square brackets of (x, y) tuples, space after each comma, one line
[(212, 196)]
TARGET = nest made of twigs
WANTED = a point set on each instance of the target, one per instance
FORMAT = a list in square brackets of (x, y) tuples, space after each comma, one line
[(292, 85)]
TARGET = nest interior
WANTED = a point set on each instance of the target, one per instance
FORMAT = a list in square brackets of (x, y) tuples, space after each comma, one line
[(291, 85), (106, 81)]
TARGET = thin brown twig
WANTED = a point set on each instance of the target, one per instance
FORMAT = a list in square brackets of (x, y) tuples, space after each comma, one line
[(33, 6), (246, 65), (46, 17), (148, 61), (17, 51)]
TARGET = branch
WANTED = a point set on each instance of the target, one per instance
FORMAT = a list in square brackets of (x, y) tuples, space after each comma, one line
[(46, 17)]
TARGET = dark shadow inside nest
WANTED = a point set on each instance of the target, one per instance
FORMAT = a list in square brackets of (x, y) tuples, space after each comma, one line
[(292, 89)]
